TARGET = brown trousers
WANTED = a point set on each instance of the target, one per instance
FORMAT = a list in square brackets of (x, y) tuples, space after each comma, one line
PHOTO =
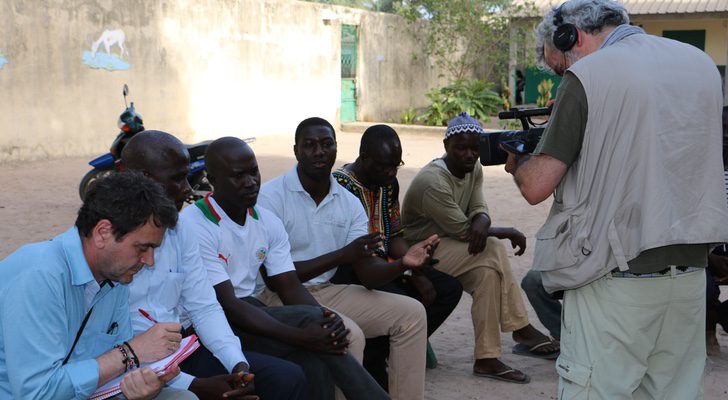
[(487, 277)]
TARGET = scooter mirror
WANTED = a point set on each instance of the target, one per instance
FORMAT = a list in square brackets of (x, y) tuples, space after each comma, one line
[(125, 92)]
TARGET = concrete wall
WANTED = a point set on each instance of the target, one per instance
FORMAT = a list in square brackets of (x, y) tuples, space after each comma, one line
[(393, 74), (199, 69), (716, 33)]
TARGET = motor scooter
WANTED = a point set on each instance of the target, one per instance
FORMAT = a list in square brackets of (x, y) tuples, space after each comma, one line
[(131, 123)]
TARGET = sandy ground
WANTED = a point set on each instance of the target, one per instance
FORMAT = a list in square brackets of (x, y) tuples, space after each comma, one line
[(40, 200)]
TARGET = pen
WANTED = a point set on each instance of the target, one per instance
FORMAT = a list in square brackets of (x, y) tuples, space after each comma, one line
[(147, 316), (112, 328)]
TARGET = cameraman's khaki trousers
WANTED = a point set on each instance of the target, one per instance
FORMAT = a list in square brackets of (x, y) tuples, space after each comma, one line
[(634, 338), (487, 277)]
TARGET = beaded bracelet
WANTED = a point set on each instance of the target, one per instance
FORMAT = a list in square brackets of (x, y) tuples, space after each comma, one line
[(124, 354), (133, 354)]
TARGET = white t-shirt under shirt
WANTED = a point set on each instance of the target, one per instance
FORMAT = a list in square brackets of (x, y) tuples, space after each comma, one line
[(314, 230), (233, 252)]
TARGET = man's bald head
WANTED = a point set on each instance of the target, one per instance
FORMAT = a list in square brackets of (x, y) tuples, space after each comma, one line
[(222, 151), (162, 157), (149, 150), (233, 172)]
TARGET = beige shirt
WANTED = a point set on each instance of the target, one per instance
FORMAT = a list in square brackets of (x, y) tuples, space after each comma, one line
[(438, 202), (645, 176), (563, 140)]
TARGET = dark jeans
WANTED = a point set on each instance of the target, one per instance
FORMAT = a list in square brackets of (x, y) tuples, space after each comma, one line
[(275, 379), (547, 307), (716, 311), (323, 371), (448, 291)]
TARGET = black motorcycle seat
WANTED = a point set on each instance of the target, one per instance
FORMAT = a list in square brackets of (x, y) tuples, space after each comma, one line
[(198, 149)]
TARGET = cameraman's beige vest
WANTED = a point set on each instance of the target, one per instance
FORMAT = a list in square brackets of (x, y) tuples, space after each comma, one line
[(650, 169)]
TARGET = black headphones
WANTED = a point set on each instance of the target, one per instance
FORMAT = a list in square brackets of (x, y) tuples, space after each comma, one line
[(565, 35)]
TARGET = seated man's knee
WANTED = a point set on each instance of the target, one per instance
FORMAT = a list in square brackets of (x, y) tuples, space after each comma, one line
[(495, 246), (482, 275), (532, 281), (355, 332), (357, 340), (412, 311), (301, 314)]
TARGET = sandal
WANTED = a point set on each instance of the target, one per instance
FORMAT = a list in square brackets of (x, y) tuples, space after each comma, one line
[(521, 350), (501, 376)]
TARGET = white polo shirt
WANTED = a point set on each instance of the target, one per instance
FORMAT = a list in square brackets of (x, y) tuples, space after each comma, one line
[(314, 230), (178, 283), (233, 252)]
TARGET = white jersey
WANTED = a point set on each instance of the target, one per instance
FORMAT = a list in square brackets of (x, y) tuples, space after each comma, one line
[(233, 252)]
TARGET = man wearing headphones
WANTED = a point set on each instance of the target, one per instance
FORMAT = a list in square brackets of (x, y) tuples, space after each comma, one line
[(632, 155)]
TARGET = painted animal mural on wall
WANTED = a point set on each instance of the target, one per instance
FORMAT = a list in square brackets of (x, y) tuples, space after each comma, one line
[(106, 59), (110, 38)]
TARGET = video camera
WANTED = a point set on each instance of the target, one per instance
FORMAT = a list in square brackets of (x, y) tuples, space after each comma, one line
[(518, 142)]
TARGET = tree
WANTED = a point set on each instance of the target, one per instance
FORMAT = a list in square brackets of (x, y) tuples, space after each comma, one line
[(462, 35), (371, 5), (388, 6)]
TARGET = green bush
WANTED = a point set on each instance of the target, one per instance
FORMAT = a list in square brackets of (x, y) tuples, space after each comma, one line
[(408, 116), (544, 92), (475, 97), (505, 95)]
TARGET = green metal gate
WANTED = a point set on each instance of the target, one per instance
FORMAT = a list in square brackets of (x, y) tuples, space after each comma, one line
[(348, 73), (694, 37), (534, 76)]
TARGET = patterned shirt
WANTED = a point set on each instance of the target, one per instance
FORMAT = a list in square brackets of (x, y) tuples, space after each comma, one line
[(381, 206)]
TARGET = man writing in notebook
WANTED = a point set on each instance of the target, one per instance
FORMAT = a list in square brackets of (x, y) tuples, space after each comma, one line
[(64, 321)]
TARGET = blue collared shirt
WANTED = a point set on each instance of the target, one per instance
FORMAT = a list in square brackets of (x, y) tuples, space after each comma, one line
[(42, 306)]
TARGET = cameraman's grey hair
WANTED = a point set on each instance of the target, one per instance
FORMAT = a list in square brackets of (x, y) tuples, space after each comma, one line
[(588, 15)]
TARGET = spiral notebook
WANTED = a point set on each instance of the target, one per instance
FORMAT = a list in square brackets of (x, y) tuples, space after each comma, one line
[(187, 347)]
